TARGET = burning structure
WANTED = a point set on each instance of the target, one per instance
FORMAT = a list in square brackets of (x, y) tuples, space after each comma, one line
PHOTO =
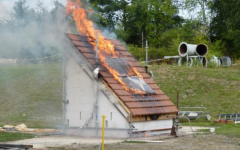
[(102, 78)]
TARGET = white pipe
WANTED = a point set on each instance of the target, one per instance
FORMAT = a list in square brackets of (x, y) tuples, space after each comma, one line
[(64, 93), (202, 49), (180, 62), (168, 57), (192, 50), (215, 60), (146, 52), (204, 62), (193, 56), (182, 49), (95, 75)]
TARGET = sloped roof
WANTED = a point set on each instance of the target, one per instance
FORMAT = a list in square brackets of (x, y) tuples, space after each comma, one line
[(157, 103)]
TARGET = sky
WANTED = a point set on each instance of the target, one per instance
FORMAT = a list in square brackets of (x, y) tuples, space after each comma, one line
[(7, 5)]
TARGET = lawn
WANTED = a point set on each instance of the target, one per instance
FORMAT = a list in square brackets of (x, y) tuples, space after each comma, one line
[(217, 89), (31, 94), (8, 136)]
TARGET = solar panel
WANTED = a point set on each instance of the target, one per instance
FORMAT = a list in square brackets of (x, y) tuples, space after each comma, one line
[(128, 76)]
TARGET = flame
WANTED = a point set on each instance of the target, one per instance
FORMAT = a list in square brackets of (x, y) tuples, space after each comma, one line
[(105, 47)]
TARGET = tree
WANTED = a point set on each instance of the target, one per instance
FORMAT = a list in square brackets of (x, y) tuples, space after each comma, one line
[(36, 32), (152, 18), (203, 14), (21, 13), (225, 24), (113, 10)]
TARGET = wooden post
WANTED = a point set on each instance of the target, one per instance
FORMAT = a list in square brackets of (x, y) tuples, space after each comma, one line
[(177, 100)]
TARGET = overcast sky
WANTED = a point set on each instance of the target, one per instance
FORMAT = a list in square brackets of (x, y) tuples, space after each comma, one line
[(7, 5)]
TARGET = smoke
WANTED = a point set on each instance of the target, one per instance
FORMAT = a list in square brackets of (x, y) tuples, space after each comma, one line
[(108, 34), (32, 90), (32, 33)]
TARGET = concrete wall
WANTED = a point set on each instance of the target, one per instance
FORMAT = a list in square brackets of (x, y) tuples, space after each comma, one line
[(153, 125), (80, 93)]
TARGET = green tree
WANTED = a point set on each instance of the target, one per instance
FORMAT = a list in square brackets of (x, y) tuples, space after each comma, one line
[(202, 9), (22, 14), (152, 18), (225, 25), (114, 11)]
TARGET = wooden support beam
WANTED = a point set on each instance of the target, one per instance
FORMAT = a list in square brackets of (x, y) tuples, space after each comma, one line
[(144, 118)]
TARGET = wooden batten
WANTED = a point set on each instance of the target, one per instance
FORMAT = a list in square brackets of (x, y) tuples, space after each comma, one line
[(147, 117), (154, 130)]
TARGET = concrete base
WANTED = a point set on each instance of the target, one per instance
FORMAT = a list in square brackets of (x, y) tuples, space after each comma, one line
[(108, 133), (113, 133)]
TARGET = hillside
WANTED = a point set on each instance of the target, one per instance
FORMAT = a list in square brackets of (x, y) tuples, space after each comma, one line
[(217, 89), (31, 94)]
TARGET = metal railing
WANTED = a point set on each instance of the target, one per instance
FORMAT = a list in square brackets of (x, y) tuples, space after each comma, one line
[(194, 112)]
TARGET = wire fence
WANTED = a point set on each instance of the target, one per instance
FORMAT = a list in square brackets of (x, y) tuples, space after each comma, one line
[(44, 60)]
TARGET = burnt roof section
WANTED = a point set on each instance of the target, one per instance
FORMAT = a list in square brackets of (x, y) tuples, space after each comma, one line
[(148, 104)]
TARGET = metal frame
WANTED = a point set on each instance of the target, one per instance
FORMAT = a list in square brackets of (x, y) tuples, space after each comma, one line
[(194, 114), (15, 146), (234, 117)]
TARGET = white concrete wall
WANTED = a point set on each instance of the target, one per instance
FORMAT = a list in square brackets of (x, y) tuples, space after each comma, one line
[(80, 93), (152, 125)]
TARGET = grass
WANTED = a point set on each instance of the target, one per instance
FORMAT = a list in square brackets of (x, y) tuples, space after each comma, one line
[(8, 136), (135, 142), (231, 130), (31, 94), (217, 89)]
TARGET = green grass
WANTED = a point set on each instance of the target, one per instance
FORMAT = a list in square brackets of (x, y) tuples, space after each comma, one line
[(197, 123), (231, 130), (31, 94), (204, 130), (135, 142), (217, 89), (8, 136)]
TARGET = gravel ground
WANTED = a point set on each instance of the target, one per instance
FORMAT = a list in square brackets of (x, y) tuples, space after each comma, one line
[(61, 141), (208, 142), (185, 141)]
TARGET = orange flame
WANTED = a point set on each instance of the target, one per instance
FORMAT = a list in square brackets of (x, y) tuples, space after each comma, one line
[(105, 47)]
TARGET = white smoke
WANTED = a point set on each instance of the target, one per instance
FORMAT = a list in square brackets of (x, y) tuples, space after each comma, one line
[(108, 34), (28, 36)]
